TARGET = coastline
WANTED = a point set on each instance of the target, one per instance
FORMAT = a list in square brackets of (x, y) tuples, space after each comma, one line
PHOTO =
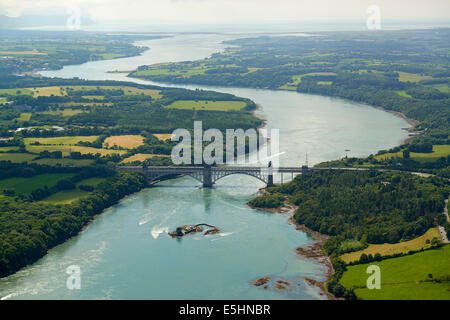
[(315, 253), (411, 121), (311, 251)]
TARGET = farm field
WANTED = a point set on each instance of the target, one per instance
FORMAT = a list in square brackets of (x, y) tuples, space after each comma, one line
[(66, 149), (60, 140), (404, 278), (25, 116), (68, 196), (17, 157), (163, 136), (403, 93), (63, 90), (164, 69), (208, 105), (7, 149), (16, 91), (298, 78), (64, 112), (141, 157), (390, 249), (411, 77), (26, 185), (441, 87), (124, 141), (438, 152)]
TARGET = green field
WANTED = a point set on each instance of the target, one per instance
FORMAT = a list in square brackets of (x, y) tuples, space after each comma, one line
[(64, 112), (24, 116), (404, 278), (68, 196), (445, 88), (17, 157), (26, 185), (403, 93), (208, 105), (16, 91), (438, 152), (62, 90), (90, 182), (7, 149), (109, 56), (298, 78), (390, 249), (165, 69), (411, 77)]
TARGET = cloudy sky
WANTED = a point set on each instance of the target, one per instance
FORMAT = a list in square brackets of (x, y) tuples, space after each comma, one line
[(230, 11)]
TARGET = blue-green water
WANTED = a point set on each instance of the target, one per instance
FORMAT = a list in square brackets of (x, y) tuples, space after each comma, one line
[(126, 253)]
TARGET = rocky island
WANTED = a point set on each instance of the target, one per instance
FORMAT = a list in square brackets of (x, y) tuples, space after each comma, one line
[(190, 229)]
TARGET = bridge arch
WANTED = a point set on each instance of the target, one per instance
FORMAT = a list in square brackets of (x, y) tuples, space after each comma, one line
[(223, 175), (155, 178)]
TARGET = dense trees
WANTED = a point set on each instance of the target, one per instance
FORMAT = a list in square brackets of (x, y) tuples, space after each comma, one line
[(29, 229), (369, 207)]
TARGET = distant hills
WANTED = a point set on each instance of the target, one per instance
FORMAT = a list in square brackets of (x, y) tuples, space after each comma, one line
[(36, 21)]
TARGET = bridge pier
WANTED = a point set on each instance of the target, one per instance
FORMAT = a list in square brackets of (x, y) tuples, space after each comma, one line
[(270, 180), (207, 177)]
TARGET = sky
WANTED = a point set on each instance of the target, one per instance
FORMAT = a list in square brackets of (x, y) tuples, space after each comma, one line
[(230, 11)]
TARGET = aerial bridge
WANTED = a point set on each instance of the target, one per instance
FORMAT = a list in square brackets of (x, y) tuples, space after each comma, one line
[(208, 175)]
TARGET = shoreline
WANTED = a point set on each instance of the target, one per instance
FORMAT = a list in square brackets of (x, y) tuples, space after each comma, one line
[(412, 122), (311, 251), (315, 253)]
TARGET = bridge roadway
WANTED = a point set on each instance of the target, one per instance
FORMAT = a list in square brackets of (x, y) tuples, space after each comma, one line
[(208, 175)]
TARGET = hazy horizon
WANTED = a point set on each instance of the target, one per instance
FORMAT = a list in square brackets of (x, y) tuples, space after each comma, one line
[(222, 15)]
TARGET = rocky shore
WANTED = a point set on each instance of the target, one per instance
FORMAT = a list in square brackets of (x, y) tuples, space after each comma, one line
[(313, 251)]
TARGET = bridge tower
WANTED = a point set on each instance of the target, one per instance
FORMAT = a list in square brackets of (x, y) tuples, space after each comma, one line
[(305, 169), (207, 177), (270, 176)]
